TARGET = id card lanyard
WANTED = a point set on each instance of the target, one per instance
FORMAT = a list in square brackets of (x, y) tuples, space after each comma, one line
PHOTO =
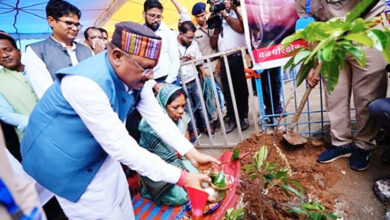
[(302, 22)]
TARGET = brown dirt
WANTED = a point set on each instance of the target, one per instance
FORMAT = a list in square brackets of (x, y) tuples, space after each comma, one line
[(318, 180)]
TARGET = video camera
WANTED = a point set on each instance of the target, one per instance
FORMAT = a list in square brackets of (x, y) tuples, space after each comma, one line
[(215, 19)]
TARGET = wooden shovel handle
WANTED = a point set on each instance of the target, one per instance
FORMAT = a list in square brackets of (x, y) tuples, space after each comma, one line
[(304, 99)]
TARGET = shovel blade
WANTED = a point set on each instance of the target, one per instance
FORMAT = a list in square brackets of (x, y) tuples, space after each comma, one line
[(294, 138)]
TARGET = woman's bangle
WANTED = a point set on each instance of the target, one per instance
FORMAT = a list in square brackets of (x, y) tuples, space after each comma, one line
[(183, 178)]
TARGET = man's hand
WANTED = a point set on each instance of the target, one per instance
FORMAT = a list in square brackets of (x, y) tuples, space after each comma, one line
[(196, 157), (195, 180), (157, 87), (312, 81), (218, 67)]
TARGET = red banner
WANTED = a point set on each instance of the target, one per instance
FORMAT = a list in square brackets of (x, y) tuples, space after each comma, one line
[(275, 52), (267, 22)]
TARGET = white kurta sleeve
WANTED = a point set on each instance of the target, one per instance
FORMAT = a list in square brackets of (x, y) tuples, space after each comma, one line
[(174, 58), (37, 73), (151, 111), (92, 105)]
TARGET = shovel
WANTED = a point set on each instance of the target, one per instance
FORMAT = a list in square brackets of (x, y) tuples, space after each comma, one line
[(292, 137)]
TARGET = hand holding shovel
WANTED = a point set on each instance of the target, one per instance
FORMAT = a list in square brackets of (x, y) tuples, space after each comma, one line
[(292, 137)]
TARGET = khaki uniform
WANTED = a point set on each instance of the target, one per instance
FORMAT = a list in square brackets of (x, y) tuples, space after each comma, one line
[(202, 38), (364, 83)]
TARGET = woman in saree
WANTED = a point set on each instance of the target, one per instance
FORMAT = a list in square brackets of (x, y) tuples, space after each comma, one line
[(172, 100)]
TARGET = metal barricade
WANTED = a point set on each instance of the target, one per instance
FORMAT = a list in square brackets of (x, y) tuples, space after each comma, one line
[(313, 120), (221, 139)]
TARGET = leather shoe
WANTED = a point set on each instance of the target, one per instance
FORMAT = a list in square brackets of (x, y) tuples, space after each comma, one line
[(230, 126), (244, 124)]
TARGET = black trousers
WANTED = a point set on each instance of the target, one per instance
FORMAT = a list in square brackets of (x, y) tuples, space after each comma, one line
[(239, 85), (271, 76)]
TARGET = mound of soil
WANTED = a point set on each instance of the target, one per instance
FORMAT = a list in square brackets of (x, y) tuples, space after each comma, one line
[(317, 180)]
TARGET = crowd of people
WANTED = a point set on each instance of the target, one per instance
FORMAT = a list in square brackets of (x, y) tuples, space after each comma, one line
[(83, 111)]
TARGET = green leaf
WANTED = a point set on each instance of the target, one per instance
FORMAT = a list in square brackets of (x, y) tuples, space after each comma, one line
[(236, 154), (260, 156), (359, 25), (292, 190), (298, 211), (288, 64), (301, 56), (229, 212), (296, 184), (379, 39), (288, 40), (328, 53), (237, 214), (304, 71), (386, 52), (280, 174), (331, 72), (359, 9), (219, 181), (331, 215), (315, 32), (358, 53), (249, 168), (253, 176), (361, 38), (268, 178), (316, 216), (320, 207), (310, 206)]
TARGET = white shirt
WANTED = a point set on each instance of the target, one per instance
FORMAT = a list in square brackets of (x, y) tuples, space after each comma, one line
[(92, 105), (231, 39), (169, 62), (36, 71), (189, 71)]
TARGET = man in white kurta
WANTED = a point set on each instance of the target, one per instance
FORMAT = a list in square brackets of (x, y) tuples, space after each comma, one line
[(85, 99)]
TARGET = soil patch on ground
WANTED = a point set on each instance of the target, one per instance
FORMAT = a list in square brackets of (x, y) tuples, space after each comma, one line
[(319, 181)]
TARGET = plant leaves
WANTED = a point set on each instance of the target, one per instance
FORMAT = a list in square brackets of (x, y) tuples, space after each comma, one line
[(260, 156), (296, 184), (379, 39), (288, 65), (237, 214), (316, 216), (331, 215), (301, 56), (219, 181), (298, 211), (268, 178), (357, 52), (292, 190), (310, 206), (359, 25), (320, 207), (253, 176), (303, 72), (331, 72), (236, 154), (361, 38), (327, 53), (359, 9), (249, 168)]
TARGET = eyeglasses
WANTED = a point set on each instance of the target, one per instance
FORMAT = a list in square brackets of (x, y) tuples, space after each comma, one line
[(70, 24), (155, 16), (146, 72)]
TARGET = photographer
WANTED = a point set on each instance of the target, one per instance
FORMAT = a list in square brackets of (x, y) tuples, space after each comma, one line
[(229, 34)]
